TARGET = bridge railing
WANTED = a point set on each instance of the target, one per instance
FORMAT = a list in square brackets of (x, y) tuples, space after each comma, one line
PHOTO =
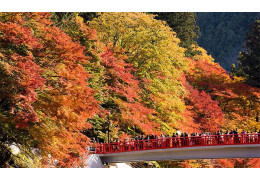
[(177, 142)]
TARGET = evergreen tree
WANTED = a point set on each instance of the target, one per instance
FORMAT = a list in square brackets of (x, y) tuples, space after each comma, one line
[(184, 24), (233, 70), (88, 16), (249, 59), (60, 18), (223, 33)]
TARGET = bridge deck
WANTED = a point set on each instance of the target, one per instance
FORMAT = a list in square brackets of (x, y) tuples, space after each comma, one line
[(200, 152), (195, 147)]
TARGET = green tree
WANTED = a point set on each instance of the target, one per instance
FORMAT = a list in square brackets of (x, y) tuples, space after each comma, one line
[(61, 19), (233, 70), (153, 49), (249, 59), (222, 34), (88, 16)]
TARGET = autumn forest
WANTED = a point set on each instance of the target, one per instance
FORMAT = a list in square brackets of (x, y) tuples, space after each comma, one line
[(64, 75)]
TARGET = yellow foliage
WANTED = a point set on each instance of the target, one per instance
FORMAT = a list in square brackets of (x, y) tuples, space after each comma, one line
[(203, 56), (148, 42), (153, 48), (239, 79)]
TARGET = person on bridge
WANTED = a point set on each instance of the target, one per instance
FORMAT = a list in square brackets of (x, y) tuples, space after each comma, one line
[(167, 140), (182, 138), (177, 140), (152, 136), (236, 140), (126, 144), (163, 140), (173, 140), (259, 136)]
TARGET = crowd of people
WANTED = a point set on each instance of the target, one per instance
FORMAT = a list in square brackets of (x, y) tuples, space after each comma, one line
[(180, 140)]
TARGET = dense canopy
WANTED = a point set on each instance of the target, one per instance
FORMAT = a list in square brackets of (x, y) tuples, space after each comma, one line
[(64, 81)]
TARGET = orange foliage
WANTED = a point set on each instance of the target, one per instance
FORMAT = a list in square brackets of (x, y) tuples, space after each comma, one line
[(47, 88), (215, 89), (49, 60), (237, 163), (238, 101), (123, 88), (202, 113)]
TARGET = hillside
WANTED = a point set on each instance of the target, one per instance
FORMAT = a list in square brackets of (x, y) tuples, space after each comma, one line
[(223, 34), (120, 75)]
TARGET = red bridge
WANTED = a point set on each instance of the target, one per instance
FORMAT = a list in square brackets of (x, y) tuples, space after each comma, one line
[(194, 147)]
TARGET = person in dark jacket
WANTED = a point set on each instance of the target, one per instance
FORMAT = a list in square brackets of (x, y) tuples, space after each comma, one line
[(236, 140), (259, 136), (167, 140)]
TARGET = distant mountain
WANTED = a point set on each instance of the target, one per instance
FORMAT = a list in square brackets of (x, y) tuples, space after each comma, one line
[(223, 34)]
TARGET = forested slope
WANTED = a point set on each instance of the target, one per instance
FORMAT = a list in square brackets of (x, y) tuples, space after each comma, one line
[(223, 34), (62, 79)]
